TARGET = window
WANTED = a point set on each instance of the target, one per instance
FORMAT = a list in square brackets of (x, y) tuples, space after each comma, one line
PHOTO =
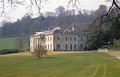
[(81, 39), (71, 47), (75, 39), (38, 40), (81, 46), (48, 38), (58, 38), (70, 38), (48, 46), (66, 46), (75, 46), (58, 46), (66, 38)]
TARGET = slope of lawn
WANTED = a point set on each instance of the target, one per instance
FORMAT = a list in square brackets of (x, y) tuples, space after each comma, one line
[(7, 43), (89, 64)]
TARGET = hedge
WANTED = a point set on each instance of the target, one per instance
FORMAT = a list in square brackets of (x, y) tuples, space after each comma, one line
[(8, 51)]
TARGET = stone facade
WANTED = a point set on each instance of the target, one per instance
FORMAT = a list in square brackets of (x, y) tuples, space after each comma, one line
[(58, 39)]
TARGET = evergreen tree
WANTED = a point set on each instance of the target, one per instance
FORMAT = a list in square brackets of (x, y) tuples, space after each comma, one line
[(96, 38)]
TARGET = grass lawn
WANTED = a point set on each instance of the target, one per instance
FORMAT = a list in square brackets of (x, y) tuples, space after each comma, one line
[(7, 43), (89, 64)]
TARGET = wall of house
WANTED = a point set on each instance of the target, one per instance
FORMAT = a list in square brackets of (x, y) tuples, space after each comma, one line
[(31, 45), (82, 42), (49, 41), (65, 42), (59, 42), (34, 42)]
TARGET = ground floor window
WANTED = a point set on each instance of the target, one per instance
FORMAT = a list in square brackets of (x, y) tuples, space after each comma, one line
[(66, 46), (51, 46), (71, 47), (58, 46), (81, 46), (75, 46), (48, 46)]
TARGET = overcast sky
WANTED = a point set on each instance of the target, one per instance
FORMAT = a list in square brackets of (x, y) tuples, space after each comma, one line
[(53, 4)]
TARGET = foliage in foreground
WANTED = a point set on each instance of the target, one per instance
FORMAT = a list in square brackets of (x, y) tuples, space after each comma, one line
[(68, 65)]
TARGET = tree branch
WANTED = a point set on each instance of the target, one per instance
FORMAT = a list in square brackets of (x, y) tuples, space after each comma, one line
[(108, 13), (74, 3)]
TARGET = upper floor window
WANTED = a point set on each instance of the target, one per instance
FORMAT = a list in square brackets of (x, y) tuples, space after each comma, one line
[(38, 40), (81, 39), (75, 39), (58, 38), (70, 38), (81, 46), (48, 38), (75, 46), (66, 38)]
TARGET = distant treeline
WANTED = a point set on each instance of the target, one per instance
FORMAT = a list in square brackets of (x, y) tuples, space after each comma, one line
[(63, 18)]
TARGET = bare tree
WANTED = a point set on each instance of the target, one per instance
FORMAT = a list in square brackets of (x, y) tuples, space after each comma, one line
[(6, 6), (74, 3), (19, 42), (40, 50)]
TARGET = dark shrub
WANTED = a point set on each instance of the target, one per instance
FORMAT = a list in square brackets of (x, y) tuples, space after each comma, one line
[(8, 51)]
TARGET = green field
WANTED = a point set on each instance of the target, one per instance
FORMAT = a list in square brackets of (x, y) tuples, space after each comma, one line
[(10, 43), (66, 65), (7, 43)]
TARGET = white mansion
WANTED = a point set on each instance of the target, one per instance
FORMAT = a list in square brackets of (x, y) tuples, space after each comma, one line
[(58, 39)]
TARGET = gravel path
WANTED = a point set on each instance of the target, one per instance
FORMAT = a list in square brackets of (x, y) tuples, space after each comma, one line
[(115, 54)]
